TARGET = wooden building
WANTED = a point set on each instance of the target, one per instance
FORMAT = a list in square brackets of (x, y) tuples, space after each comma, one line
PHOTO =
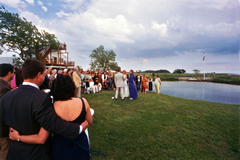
[(57, 58)]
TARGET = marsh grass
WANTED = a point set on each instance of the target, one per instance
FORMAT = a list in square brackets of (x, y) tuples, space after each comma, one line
[(162, 127)]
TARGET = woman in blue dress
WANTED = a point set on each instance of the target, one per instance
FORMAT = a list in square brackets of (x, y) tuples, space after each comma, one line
[(132, 87), (70, 109)]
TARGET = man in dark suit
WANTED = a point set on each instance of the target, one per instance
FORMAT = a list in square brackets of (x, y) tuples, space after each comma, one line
[(138, 81), (6, 75), (27, 109)]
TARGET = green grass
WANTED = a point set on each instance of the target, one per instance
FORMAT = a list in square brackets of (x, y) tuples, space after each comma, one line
[(227, 79), (162, 127)]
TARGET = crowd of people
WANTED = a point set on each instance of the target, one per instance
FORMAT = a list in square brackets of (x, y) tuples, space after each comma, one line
[(27, 118)]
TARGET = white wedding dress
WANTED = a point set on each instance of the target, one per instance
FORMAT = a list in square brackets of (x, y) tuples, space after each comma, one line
[(125, 88)]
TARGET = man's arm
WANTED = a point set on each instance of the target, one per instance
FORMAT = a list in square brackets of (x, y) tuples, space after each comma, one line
[(49, 120)]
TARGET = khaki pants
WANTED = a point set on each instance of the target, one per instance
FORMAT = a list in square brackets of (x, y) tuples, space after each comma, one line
[(4, 144), (157, 86), (76, 93)]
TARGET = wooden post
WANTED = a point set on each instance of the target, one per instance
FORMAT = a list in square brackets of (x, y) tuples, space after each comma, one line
[(60, 57), (67, 59)]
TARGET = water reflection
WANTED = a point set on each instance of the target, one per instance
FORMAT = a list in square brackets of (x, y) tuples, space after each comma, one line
[(212, 92)]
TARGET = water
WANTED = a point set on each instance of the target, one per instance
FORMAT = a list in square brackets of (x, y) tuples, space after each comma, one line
[(206, 91)]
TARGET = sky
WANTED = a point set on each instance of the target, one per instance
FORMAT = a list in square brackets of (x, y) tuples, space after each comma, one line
[(144, 34)]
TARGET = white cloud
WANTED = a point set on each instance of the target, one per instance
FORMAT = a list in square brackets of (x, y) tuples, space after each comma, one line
[(44, 8), (160, 28), (13, 3), (61, 14), (147, 31), (30, 1), (40, 3), (145, 60)]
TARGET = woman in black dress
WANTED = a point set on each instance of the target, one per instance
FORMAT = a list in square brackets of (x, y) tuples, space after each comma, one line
[(150, 80)]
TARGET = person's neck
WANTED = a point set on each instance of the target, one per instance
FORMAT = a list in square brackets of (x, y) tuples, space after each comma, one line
[(6, 79), (31, 81)]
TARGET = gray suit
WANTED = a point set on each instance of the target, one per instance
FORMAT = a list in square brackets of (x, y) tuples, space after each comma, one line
[(119, 83)]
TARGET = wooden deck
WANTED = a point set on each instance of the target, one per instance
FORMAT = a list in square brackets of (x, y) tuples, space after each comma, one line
[(53, 62)]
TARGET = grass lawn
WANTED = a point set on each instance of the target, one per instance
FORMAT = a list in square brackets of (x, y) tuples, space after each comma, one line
[(162, 127)]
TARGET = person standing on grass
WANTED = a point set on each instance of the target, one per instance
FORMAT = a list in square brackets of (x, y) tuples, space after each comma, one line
[(150, 80), (76, 81), (157, 84), (119, 82), (132, 86), (138, 81), (144, 83), (6, 75)]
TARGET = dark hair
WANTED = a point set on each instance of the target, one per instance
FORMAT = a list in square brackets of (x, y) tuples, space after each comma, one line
[(19, 77), (63, 88), (118, 69), (132, 71), (156, 75), (5, 68), (31, 68)]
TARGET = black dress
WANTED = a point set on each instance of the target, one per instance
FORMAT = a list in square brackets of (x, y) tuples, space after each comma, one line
[(150, 84), (72, 149)]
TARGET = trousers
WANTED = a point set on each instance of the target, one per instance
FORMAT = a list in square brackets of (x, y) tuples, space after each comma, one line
[(121, 92)]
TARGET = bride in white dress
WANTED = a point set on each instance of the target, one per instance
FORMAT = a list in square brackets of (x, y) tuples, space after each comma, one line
[(125, 88)]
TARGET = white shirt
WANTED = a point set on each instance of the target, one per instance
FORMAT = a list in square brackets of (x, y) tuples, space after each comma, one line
[(91, 84), (30, 84)]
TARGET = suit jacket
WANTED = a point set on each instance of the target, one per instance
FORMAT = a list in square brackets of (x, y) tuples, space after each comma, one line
[(136, 79), (27, 109), (4, 88), (76, 79), (119, 79)]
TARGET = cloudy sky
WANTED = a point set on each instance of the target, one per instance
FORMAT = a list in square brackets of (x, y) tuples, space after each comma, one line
[(145, 34)]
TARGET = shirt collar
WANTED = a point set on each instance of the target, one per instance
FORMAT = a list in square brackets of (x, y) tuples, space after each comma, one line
[(30, 84)]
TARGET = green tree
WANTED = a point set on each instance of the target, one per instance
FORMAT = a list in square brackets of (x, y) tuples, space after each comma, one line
[(21, 36), (196, 71), (17, 61), (181, 71), (102, 59)]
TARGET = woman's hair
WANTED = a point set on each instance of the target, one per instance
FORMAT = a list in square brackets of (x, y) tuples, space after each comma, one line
[(19, 77), (132, 71), (68, 70), (156, 75), (63, 88)]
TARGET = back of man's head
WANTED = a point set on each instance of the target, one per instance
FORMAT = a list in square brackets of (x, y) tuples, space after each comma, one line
[(5, 69), (31, 68), (119, 69)]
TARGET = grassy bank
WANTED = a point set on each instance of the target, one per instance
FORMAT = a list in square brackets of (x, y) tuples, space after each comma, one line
[(226, 79), (162, 127)]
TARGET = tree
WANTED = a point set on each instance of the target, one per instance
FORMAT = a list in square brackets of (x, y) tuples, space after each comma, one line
[(17, 61), (101, 59), (181, 71), (196, 71), (22, 37), (153, 75)]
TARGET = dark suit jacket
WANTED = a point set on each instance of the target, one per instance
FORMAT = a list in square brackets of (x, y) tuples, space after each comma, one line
[(4, 88), (136, 79), (45, 83), (27, 109)]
